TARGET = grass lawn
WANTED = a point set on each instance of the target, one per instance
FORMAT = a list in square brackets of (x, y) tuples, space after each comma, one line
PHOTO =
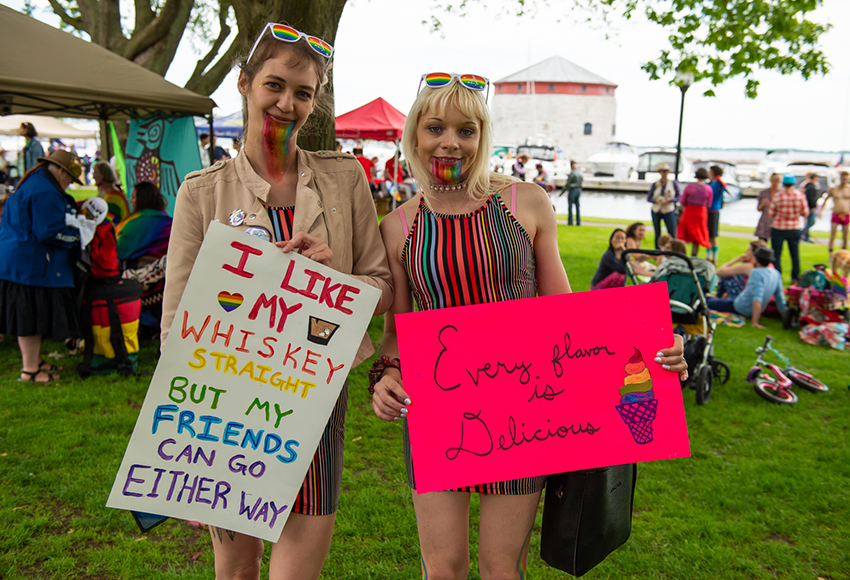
[(765, 494)]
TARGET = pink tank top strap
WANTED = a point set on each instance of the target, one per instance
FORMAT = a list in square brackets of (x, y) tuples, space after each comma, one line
[(513, 198), (403, 219)]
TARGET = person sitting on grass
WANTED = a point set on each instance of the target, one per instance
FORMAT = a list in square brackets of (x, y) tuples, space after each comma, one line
[(611, 272), (763, 283), (734, 273)]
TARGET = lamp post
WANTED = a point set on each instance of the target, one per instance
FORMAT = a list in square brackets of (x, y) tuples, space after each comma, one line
[(684, 80)]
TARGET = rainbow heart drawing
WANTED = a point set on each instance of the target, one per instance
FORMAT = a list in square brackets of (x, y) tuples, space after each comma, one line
[(229, 302)]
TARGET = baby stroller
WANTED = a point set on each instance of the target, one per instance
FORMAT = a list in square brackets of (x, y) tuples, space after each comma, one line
[(687, 281)]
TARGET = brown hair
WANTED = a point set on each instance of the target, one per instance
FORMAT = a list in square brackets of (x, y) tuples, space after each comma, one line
[(631, 232), (678, 246), (756, 244), (664, 239), (300, 55), (30, 130), (148, 196), (701, 173)]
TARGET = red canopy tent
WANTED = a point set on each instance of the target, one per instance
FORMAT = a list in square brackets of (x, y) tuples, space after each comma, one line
[(377, 120)]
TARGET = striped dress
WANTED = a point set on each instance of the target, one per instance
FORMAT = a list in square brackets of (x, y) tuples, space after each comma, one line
[(319, 494), (457, 260)]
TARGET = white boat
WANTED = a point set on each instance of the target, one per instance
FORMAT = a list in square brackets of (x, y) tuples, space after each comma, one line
[(557, 167), (647, 167), (618, 160), (776, 161)]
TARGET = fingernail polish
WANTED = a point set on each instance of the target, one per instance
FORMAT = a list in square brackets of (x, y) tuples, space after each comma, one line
[(396, 418), (665, 367), (404, 409), (658, 360), (659, 354), (407, 401)]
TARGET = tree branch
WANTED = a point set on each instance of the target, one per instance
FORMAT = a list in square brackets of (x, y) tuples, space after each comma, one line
[(158, 29), (144, 14), (77, 23)]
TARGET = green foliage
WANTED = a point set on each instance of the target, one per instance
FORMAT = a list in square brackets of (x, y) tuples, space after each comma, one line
[(717, 40), (764, 494)]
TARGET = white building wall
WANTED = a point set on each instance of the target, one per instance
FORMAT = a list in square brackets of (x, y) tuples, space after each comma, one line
[(556, 120)]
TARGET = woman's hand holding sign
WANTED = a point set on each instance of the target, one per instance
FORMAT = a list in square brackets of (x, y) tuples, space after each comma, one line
[(672, 359), (311, 247), (389, 401)]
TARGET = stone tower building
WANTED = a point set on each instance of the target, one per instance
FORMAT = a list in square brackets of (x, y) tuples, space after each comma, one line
[(555, 102)]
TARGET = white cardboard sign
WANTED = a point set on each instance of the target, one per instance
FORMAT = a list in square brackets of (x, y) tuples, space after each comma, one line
[(259, 349)]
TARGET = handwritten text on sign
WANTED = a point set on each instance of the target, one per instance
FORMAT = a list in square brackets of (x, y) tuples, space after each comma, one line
[(259, 350), (542, 385)]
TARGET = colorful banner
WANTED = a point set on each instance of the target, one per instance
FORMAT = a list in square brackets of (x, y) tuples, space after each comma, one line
[(163, 153), (258, 352), (542, 385)]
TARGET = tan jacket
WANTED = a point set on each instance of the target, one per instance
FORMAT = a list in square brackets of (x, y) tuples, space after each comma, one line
[(332, 202)]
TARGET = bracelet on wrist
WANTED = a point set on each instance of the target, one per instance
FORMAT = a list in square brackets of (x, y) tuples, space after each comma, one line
[(378, 368)]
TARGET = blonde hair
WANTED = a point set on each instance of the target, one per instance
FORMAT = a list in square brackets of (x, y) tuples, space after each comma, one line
[(470, 103)]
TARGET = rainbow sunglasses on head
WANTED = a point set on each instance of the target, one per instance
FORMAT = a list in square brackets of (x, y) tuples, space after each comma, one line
[(436, 80), (289, 34)]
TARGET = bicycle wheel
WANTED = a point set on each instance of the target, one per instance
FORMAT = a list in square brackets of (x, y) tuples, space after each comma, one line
[(720, 370), (770, 393), (703, 384), (806, 381)]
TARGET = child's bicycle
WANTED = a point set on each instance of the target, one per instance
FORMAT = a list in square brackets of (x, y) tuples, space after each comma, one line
[(777, 388)]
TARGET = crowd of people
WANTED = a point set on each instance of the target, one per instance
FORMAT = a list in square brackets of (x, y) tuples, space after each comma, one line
[(413, 258), (43, 234)]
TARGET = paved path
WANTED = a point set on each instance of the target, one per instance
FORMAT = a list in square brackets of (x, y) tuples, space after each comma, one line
[(744, 235)]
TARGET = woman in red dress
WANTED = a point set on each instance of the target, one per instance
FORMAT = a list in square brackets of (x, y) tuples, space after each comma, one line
[(693, 227)]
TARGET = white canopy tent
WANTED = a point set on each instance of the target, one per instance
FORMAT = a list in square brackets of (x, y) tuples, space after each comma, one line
[(47, 127)]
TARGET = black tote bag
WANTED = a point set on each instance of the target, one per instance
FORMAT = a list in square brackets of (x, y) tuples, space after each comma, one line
[(586, 516)]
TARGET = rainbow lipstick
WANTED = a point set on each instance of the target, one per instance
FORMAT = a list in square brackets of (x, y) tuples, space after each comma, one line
[(445, 171), (276, 144)]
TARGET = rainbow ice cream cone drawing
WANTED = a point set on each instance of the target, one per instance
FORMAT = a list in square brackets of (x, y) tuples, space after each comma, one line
[(637, 401)]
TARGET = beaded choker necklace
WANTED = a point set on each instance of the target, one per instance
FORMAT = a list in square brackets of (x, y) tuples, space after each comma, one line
[(445, 188)]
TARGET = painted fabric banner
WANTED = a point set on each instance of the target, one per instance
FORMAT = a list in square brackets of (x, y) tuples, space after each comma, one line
[(541, 385), (261, 345), (163, 153)]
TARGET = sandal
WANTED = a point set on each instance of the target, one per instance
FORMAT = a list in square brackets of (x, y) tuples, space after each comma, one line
[(48, 368), (32, 375)]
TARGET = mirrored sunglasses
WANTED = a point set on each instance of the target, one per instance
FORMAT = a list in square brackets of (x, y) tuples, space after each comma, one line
[(437, 80), (289, 34)]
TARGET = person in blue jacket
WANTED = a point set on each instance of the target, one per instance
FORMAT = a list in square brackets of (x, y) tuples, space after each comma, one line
[(37, 296), (715, 172)]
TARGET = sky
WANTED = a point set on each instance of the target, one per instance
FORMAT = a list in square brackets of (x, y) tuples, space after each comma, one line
[(382, 48)]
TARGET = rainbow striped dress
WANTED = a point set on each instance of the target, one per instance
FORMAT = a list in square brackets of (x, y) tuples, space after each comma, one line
[(457, 260)]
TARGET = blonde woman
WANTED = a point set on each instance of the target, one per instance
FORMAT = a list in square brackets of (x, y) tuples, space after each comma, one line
[(511, 234)]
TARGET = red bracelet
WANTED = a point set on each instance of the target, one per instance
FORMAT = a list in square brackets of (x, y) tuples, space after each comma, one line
[(378, 368)]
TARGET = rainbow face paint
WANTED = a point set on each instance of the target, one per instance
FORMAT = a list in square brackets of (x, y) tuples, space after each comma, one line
[(447, 171), (277, 145)]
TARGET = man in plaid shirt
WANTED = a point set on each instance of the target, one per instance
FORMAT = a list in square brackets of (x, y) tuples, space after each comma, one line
[(787, 209)]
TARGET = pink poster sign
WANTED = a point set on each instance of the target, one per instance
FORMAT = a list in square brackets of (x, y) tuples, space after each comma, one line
[(542, 385)]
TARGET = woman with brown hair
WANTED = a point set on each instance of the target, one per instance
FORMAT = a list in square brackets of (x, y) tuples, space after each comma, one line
[(315, 203)]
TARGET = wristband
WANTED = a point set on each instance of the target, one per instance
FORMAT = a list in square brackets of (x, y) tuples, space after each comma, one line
[(378, 368)]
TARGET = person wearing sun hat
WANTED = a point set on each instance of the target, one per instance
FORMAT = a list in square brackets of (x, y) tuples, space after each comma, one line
[(663, 195), (37, 296)]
